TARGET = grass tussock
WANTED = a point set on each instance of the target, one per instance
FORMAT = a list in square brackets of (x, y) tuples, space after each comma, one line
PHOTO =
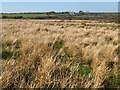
[(85, 58)]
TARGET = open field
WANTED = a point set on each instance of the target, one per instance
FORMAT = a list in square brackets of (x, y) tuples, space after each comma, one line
[(59, 54), (106, 17)]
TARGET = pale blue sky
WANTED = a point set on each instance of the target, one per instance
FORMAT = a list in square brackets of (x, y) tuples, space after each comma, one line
[(59, 6), (60, 0)]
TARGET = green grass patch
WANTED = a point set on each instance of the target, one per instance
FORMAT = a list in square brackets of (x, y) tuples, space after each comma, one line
[(10, 50), (84, 70), (112, 81), (24, 15), (58, 44)]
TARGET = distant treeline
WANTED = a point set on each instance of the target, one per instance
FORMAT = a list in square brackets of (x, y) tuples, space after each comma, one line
[(110, 17)]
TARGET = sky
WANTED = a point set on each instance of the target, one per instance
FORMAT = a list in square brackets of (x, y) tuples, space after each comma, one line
[(60, 0), (13, 7)]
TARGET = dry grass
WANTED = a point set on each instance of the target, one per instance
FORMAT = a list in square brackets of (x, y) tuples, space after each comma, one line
[(59, 54)]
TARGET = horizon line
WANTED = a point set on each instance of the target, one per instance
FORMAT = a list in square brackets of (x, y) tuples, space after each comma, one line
[(60, 11)]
